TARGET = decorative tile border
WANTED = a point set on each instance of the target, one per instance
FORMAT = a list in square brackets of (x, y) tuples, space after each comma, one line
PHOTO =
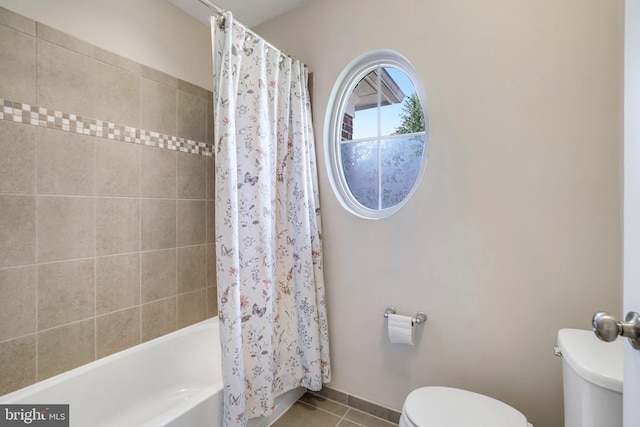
[(38, 116)]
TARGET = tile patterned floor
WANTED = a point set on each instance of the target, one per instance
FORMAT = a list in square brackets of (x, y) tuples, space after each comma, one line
[(316, 411)]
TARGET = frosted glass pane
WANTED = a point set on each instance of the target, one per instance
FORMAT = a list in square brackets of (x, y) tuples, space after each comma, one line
[(401, 160), (360, 166)]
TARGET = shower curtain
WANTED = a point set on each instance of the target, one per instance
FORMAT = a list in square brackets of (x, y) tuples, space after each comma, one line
[(273, 322)]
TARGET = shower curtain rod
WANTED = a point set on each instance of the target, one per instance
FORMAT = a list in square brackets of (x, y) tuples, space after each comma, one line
[(213, 7), (220, 12)]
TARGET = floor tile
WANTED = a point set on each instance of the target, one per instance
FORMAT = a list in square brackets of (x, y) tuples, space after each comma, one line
[(324, 403), (365, 419), (303, 415), (313, 410)]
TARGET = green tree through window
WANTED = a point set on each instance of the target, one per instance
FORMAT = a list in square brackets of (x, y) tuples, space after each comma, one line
[(412, 116)]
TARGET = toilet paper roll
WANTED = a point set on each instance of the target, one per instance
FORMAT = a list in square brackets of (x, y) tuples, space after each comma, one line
[(400, 329)]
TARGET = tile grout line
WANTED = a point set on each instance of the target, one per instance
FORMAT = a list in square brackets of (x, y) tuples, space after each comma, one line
[(177, 270), (357, 423), (35, 249), (89, 318), (139, 201), (386, 420), (323, 410), (343, 417), (95, 252)]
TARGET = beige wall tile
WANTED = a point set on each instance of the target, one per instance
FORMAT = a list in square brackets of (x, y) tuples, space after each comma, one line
[(159, 76), (211, 221), (18, 161), (158, 224), (66, 228), (212, 301), (117, 225), (192, 117), (194, 90), (192, 268), (18, 367), (17, 302), (159, 172), (117, 331), (159, 274), (211, 178), (64, 348), (158, 107), (192, 176), (158, 318), (117, 282), (66, 163), (118, 61), (210, 128), (192, 308), (74, 83), (17, 22), (211, 265), (81, 196), (17, 230), (117, 168), (61, 39), (66, 292), (17, 66), (192, 222)]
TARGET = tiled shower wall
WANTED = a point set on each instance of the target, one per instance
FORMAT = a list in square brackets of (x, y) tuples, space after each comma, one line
[(106, 203)]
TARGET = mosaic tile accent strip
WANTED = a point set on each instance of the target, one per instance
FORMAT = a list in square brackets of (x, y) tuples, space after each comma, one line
[(38, 116)]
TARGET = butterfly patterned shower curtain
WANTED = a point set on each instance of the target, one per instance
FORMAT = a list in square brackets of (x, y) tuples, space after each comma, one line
[(273, 323)]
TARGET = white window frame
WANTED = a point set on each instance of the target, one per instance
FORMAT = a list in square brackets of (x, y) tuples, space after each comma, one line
[(355, 71)]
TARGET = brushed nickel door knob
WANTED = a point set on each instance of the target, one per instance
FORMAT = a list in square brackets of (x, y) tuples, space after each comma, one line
[(607, 328)]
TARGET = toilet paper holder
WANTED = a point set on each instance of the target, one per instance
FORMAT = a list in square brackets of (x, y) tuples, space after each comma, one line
[(420, 318)]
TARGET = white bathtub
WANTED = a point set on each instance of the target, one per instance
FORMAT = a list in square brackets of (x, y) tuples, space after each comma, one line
[(174, 381)]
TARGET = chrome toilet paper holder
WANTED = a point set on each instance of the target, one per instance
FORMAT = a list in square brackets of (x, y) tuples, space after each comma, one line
[(420, 317)]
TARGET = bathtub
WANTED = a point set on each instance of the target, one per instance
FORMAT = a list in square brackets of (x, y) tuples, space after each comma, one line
[(174, 381)]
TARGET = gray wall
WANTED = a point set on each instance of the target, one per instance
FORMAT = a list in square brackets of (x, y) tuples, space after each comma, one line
[(106, 188), (515, 230)]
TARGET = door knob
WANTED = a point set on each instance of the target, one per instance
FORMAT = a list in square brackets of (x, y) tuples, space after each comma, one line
[(607, 328)]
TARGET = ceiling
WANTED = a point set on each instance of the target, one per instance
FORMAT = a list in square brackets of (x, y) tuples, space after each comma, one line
[(248, 12)]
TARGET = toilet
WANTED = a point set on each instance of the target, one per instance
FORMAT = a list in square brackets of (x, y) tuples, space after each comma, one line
[(592, 384), (452, 407), (592, 379)]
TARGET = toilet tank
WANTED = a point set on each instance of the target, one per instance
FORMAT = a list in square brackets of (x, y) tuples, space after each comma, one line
[(592, 379)]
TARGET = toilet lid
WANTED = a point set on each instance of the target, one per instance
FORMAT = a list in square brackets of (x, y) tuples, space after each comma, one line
[(451, 407)]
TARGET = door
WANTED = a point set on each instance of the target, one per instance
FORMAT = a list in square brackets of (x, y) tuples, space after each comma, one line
[(631, 272)]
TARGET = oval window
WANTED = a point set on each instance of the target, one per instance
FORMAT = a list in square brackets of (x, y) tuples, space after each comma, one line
[(376, 134)]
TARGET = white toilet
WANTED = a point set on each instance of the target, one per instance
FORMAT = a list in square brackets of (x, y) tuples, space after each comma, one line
[(592, 382), (591, 378), (452, 407)]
